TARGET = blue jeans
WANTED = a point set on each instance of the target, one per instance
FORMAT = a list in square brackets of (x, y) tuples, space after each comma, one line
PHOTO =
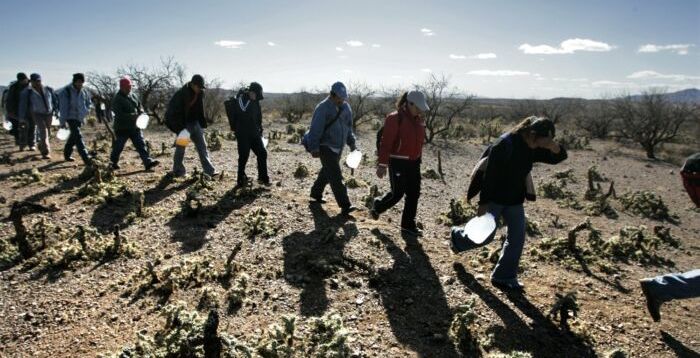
[(675, 285), (136, 137), (197, 137), (75, 139), (508, 262)]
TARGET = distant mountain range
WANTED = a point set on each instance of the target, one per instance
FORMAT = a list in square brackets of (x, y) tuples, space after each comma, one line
[(690, 95)]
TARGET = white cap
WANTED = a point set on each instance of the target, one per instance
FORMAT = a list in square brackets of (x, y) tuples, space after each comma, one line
[(418, 98)]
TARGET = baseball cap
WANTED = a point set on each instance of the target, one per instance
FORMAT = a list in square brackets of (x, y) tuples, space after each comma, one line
[(124, 82), (35, 77), (339, 89), (418, 98)]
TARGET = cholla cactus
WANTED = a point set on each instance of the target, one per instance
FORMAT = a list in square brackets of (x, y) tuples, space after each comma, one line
[(369, 198), (208, 298), (565, 307), (354, 183), (458, 214), (327, 337), (462, 328), (258, 223), (647, 204), (301, 171), (278, 341), (431, 174), (214, 141)]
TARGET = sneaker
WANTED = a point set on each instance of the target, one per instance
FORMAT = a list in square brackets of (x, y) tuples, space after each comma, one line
[(653, 305), (21, 148), (317, 200), (114, 166), (152, 164), (349, 210), (413, 231), (512, 285), (69, 159), (32, 148), (265, 182)]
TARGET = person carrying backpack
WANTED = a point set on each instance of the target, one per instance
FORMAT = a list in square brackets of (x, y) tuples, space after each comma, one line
[(400, 148), (74, 106), (245, 119), (186, 111), (127, 107), (331, 130), (36, 107), (504, 187), (12, 104)]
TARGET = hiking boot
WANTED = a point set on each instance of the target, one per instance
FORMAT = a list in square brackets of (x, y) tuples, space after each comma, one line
[(349, 210), (512, 285), (653, 305), (69, 159), (114, 166), (265, 182), (413, 231), (21, 148), (152, 164), (32, 148)]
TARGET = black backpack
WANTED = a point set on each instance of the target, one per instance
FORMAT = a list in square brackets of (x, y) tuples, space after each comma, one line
[(173, 120), (231, 111)]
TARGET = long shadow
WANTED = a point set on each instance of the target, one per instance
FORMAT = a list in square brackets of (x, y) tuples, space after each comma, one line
[(678, 348), (542, 338), (116, 211), (414, 300), (63, 186), (616, 284), (191, 232), (43, 168), (311, 258)]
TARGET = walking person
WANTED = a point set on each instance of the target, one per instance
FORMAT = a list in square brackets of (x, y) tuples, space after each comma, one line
[(504, 188), (186, 111), (37, 105), (331, 130), (400, 150), (74, 106), (12, 105), (127, 107), (246, 122)]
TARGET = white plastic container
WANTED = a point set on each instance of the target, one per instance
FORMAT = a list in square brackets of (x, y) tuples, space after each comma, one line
[(478, 229), (7, 125), (55, 122), (265, 141), (63, 133), (142, 121), (353, 159), (183, 138)]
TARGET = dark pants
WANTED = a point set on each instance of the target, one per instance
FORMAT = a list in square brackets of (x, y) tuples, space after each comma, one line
[(136, 137), (26, 132), (15, 125), (75, 139), (404, 176), (330, 174), (246, 143)]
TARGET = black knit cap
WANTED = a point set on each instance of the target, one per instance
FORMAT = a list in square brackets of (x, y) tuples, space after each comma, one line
[(78, 77), (22, 76), (257, 88), (543, 127)]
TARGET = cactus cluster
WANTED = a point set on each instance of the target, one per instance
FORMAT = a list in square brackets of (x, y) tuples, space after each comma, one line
[(301, 171), (463, 328), (259, 224), (458, 214), (647, 204)]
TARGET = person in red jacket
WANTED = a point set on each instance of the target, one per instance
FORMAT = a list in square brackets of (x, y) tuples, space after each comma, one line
[(400, 150)]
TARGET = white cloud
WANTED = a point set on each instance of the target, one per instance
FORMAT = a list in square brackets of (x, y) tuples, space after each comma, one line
[(426, 70), (339, 49), (498, 73), (484, 56), (271, 44), (229, 44), (606, 83), (681, 49), (566, 47), (376, 45), (648, 74), (457, 57), (427, 32), (563, 79), (354, 43)]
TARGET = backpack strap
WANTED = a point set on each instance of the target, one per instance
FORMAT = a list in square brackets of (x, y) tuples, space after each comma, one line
[(329, 124)]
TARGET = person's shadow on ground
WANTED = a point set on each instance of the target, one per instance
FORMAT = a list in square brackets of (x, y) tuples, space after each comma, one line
[(541, 338), (311, 258), (414, 300)]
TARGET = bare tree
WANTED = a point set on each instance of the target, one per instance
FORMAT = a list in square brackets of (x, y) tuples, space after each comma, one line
[(361, 101), (597, 119), (651, 119), (445, 104), (294, 106), (214, 100)]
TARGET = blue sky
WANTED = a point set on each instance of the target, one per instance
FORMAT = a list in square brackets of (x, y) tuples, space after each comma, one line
[(522, 49)]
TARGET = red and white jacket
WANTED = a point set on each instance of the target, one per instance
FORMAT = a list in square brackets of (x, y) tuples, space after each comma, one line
[(402, 138)]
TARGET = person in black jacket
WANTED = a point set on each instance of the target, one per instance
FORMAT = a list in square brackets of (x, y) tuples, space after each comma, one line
[(247, 125), (503, 191), (12, 104), (187, 107)]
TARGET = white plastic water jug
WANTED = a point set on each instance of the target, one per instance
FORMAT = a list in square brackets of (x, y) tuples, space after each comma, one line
[(480, 228), (142, 121), (183, 138), (63, 133), (55, 122), (265, 141), (7, 125), (353, 159)]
